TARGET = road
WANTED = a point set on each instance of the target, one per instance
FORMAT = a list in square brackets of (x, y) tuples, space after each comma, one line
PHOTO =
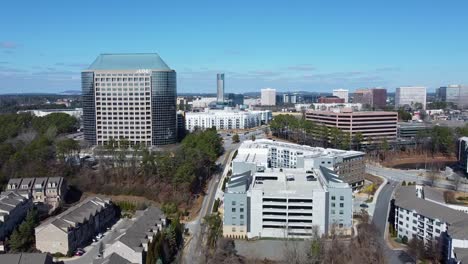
[(380, 217), (192, 251), (402, 175)]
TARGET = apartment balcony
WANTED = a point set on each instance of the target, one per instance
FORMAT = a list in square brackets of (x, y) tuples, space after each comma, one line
[(305, 224), (266, 203), (275, 216), (274, 210), (421, 225)]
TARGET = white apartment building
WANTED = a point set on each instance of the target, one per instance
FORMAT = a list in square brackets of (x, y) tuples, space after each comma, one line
[(268, 96), (77, 112), (409, 96), (268, 197), (418, 215), (341, 93), (226, 119)]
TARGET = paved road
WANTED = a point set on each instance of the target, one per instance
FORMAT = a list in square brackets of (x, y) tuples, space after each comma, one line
[(192, 251), (402, 175), (380, 220)]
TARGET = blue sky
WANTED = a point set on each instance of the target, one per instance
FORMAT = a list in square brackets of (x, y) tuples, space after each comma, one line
[(287, 45)]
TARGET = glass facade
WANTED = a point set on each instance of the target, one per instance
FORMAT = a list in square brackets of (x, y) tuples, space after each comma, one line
[(163, 107), (89, 109)]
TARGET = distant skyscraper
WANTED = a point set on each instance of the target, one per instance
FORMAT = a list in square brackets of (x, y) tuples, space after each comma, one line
[(220, 83), (375, 97), (341, 93), (268, 96), (409, 96), (129, 96), (456, 94)]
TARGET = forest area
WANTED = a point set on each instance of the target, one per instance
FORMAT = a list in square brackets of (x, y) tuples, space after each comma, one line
[(36, 147)]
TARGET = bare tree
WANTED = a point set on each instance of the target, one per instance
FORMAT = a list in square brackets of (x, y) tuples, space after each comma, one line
[(432, 176), (416, 248)]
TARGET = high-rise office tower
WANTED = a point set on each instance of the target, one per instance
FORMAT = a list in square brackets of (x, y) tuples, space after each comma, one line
[(456, 94), (341, 93), (220, 83), (129, 96), (268, 96), (410, 96), (375, 97)]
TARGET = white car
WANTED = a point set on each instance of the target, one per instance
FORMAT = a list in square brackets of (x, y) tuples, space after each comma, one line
[(99, 236)]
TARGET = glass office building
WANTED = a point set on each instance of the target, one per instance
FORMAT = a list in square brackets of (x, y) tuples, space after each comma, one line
[(132, 97)]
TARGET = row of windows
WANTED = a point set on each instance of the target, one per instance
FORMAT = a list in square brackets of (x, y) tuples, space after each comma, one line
[(125, 79), (123, 94), (126, 128), (130, 137), (122, 118), (122, 84), (124, 123), (123, 103), (123, 108), (124, 89), (334, 198), (121, 74), (120, 113), (122, 98)]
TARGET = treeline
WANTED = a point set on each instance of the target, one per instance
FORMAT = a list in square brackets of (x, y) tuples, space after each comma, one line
[(165, 244), (306, 132), (165, 176), (28, 143), (15, 103), (440, 139)]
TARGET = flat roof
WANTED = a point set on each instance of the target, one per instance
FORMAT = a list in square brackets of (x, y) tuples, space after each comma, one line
[(290, 182), (129, 61), (359, 113)]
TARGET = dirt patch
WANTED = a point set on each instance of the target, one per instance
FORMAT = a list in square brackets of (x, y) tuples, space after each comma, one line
[(124, 198), (374, 179), (408, 159)]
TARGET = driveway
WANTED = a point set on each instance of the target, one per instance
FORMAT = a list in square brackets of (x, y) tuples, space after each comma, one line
[(92, 250)]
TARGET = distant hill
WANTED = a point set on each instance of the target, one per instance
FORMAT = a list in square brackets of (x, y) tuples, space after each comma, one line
[(71, 92)]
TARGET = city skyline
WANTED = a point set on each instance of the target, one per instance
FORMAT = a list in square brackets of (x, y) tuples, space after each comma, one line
[(299, 46)]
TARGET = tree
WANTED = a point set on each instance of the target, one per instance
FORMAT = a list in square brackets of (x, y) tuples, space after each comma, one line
[(357, 140), (214, 224), (235, 138), (403, 115), (66, 148), (416, 248), (23, 237)]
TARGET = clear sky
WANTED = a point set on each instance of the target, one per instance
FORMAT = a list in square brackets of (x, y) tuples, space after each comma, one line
[(288, 45)]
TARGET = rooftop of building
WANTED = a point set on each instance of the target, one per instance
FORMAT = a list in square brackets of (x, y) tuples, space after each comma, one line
[(31, 182), (113, 258), (76, 214), (129, 61), (9, 200), (26, 258), (288, 182), (353, 113), (406, 197), (145, 222), (307, 151), (295, 182)]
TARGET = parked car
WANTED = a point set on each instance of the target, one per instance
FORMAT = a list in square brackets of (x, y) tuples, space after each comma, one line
[(99, 236)]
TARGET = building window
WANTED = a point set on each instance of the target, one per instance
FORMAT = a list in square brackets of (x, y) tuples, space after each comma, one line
[(341, 205), (233, 202), (341, 198), (332, 211), (241, 216), (233, 210), (241, 210), (233, 229), (333, 204), (333, 198)]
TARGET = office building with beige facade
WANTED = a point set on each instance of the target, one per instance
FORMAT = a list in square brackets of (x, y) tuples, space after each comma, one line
[(375, 126), (76, 226)]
